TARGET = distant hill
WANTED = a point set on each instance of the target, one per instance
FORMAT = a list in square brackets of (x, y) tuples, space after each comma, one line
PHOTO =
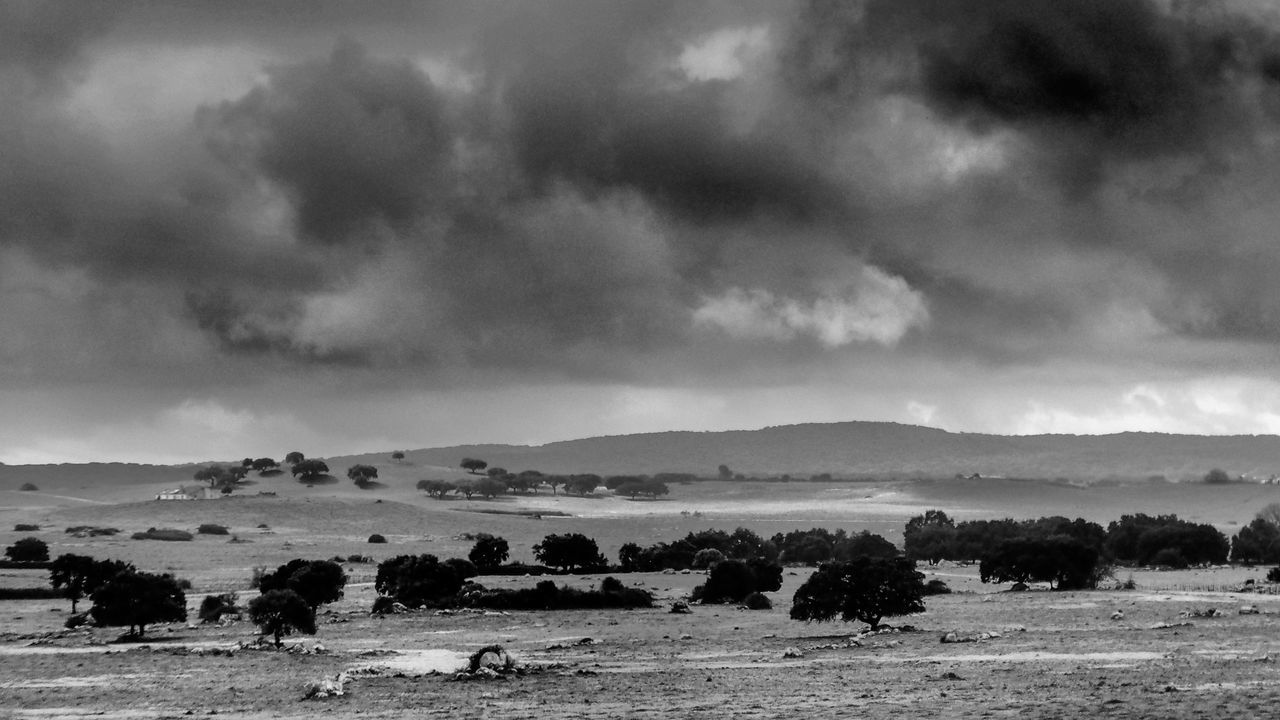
[(846, 450), (877, 449)]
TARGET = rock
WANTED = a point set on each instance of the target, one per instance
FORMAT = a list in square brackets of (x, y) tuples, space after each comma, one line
[(1019, 587), (792, 652), (327, 688), (680, 608), (1248, 610), (1117, 615), (686, 636)]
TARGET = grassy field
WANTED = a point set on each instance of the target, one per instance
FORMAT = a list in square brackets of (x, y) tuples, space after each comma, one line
[(1055, 655)]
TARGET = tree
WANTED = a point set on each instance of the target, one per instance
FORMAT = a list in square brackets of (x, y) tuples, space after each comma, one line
[(1270, 513), (489, 551), (309, 469), (465, 487), (436, 488), (707, 558), (1064, 562), (398, 456), (138, 599), (865, 589), (554, 481), (362, 475), (282, 612), (1257, 542), (264, 464), (724, 472), (417, 580), (1217, 476), (488, 487), (734, 580), (78, 576), (582, 484), (28, 549), (569, 551), (864, 543), (294, 458), (316, 581), (629, 557), (473, 465)]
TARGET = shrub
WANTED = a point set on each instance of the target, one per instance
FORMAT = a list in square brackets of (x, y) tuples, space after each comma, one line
[(464, 568), (1273, 575), (611, 584), (936, 587), (377, 539), (546, 596), (707, 558), (28, 549), (138, 599), (1063, 562), (29, 593), (865, 589), (213, 607), (23, 527), (1170, 558), (168, 534), (212, 529), (417, 580), (28, 487), (734, 580), (358, 558), (757, 601)]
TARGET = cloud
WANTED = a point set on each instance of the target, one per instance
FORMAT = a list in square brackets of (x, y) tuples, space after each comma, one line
[(875, 307)]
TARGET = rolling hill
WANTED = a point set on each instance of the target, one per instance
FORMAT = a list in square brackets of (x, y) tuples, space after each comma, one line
[(846, 450), (876, 449)]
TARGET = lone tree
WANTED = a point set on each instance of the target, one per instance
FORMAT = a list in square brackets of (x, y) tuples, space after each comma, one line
[(265, 464), (316, 581), (569, 552), (294, 458), (398, 456), (282, 612), (309, 469), (28, 549), (489, 551), (473, 465), (78, 576), (362, 475), (864, 589), (138, 599)]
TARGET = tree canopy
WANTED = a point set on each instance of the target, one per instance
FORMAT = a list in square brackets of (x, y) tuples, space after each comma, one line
[(473, 465), (28, 549), (865, 589), (489, 551), (78, 576), (362, 475), (137, 599), (282, 612), (569, 552), (316, 581), (309, 469)]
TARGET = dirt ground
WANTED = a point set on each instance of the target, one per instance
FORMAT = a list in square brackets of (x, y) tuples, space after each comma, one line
[(1045, 654)]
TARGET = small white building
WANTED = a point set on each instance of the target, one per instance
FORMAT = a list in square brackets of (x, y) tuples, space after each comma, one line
[(189, 493)]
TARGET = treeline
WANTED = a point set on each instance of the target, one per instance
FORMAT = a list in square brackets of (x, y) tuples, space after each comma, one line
[(498, 481)]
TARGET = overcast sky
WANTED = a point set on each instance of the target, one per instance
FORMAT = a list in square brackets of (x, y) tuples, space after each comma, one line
[(245, 228)]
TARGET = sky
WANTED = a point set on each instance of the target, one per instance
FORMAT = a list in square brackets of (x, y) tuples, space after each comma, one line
[(242, 228)]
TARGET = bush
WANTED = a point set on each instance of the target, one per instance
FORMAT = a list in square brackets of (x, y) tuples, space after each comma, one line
[(417, 580), (358, 558), (23, 527), (213, 607), (1063, 562), (78, 576), (707, 558), (546, 596), (464, 568), (757, 601), (29, 487), (212, 529), (28, 549), (611, 584), (29, 593), (734, 580), (168, 534), (377, 539), (936, 587), (1170, 558), (1273, 575)]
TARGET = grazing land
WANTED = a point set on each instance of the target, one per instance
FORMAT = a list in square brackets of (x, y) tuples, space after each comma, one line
[(1035, 654)]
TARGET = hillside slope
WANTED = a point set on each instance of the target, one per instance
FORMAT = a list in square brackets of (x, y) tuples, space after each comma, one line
[(858, 449)]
